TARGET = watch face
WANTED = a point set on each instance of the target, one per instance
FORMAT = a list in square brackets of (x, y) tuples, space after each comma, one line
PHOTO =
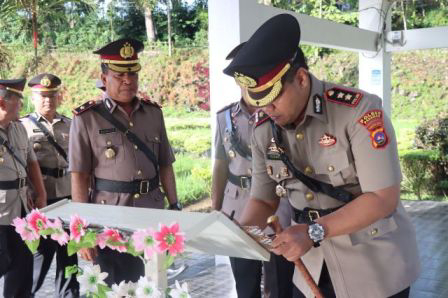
[(316, 232)]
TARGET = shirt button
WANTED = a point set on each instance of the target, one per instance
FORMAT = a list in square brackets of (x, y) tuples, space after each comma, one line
[(103, 202), (137, 196), (277, 175), (108, 143), (308, 170), (156, 138), (131, 124), (139, 172), (330, 168), (309, 196), (251, 122), (373, 232), (300, 136), (135, 147), (249, 171)]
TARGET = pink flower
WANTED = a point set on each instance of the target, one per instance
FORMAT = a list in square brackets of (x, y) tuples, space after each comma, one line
[(170, 239), (78, 227), (37, 221), (21, 227), (144, 241), (58, 232), (112, 239)]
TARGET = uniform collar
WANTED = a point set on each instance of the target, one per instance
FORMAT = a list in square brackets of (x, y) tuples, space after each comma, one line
[(316, 100), (111, 104), (57, 118)]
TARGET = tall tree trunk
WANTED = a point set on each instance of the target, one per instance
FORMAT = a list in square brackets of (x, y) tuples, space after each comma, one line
[(168, 11), (34, 24), (149, 23)]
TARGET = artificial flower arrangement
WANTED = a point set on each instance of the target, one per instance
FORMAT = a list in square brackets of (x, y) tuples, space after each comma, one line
[(143, 243)]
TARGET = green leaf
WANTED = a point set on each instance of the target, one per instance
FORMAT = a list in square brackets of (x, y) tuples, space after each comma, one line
[(72, 247), (131, 249), (70, 270), (89, 240), (32, 245), (46, 232), (169, 259), (102, 289)]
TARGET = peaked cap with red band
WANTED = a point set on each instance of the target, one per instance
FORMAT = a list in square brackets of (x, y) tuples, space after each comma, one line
[(121, 55), (45, 82), (260, 63), (15, 86)]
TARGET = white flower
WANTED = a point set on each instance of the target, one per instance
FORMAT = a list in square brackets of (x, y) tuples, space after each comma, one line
[(118, 291), (131, 289), (180, 291), (147, 289), (90, 278)]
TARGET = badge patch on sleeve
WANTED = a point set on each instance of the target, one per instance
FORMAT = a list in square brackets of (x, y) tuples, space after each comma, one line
[(346, 97), (373, 121)]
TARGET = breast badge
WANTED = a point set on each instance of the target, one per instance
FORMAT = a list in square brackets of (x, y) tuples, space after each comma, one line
[(327, 140), (110, 153), (373, 121), (280, 191), (273, 151), (231, 154), (37, 146)]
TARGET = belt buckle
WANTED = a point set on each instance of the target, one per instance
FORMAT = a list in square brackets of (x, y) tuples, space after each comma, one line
[(313, 215), (144, 187), (22, 182), (244, 182), (61, 173)]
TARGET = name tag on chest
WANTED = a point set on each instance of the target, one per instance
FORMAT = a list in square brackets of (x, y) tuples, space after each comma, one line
[(37, 130), (107, 130)]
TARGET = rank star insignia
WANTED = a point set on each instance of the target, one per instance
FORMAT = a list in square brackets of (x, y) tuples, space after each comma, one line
[(45, 81), (342, 96), (127, 51), (327, 140), (244, 81)]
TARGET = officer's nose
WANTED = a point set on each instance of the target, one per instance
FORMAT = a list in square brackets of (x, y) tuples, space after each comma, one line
[(268, 109), (126, 78)]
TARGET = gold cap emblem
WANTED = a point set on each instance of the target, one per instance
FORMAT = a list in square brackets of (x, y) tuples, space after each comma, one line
[(110, 153), (127, 51), (45, 81), (244, 81)]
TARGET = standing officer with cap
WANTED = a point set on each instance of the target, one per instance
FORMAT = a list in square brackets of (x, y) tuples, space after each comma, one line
[(17, 163), (343, 175), (120, 143), (48, 132), (231, 184)]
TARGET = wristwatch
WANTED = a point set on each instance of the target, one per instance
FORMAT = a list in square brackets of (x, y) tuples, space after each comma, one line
[(175, 206), (316, 233)]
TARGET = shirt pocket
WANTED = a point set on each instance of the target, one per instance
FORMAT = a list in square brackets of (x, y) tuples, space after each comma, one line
[(231, 191), (153, 143), (375, 231), (337, 167), (41, 147), (277, 170)]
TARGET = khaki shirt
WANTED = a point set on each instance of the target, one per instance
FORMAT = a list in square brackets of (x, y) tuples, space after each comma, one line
[(46, 153), (236, 198), (91, 135), (10, 169), (336, 143)]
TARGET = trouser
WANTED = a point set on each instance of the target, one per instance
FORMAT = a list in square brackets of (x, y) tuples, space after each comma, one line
[(278, 274), (119, 266), (327, 290), (18, 271), (64, 287)]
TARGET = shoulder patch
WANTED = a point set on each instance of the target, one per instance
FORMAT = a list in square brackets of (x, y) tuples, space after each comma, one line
[(343, 96), (86, 106), (226, 107), (374, 123), (260, 118), (150, 102)]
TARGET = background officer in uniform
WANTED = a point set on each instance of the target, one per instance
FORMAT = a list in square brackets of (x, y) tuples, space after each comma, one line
[(231, 183), (17, 162), (343, 179), (124, 172), (48, 132)]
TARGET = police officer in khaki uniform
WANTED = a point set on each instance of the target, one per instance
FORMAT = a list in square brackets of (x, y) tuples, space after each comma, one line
[(48, 132), (231, 183), (350, 228), (17, 163), (120, 143)]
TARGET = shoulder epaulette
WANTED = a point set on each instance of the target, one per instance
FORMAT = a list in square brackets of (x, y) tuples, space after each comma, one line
[(86, 106), (151, 102), (346, 97), (260, 118), (229, 106)]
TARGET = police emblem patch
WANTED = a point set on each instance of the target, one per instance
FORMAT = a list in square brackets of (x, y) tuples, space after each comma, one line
[(373, 121), (327, 140), (343, 96)]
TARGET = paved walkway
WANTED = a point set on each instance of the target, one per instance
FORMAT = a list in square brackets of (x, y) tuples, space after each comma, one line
[(205, 279)]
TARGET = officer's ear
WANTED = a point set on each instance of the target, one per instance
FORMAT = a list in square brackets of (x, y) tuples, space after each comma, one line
[(103, 78), (302, 77)]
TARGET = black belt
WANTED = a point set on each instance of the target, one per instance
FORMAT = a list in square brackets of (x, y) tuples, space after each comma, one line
[(136, 186), (13, 184), (240, 181), (308, 215), (56, 172)]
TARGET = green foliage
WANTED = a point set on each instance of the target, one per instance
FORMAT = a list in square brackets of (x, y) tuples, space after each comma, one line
[(433, 134)]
